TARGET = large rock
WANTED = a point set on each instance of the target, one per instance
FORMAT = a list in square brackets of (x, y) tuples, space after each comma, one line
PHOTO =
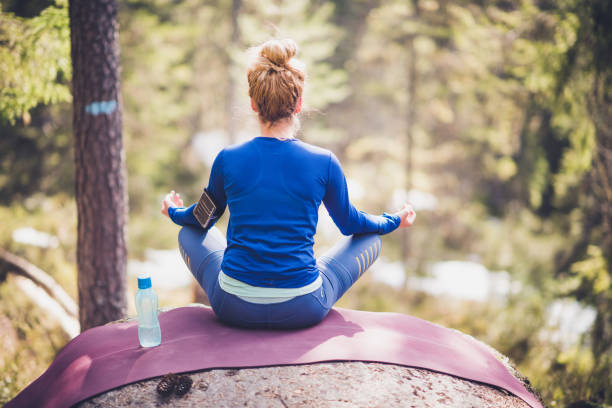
[(333, 384), (328, 384)]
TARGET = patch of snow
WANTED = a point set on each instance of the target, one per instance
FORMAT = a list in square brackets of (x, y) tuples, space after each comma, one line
[(327, 231), (460, 279), (389, 273), (30, 236), (246, 135), (420, 200), (465, 280), (355, 189), (567, 320), (166, 268), (208, 144)]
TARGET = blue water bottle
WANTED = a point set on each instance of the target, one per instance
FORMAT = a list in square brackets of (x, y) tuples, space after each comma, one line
[(149, 332)]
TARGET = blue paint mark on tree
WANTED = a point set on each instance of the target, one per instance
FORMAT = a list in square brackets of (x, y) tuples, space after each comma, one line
[(106, 107)]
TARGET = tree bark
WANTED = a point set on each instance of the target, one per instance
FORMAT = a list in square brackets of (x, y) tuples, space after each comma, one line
[(230, 97), (100, 164), (411, 117)]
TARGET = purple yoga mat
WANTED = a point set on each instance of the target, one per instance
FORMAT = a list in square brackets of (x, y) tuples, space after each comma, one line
[(107, 357)]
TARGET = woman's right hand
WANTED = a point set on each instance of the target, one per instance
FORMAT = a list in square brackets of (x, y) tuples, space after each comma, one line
[(171, 200), (407, 215)]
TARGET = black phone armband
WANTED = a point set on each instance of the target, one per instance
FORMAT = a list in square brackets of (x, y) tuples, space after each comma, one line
[(205, 209)]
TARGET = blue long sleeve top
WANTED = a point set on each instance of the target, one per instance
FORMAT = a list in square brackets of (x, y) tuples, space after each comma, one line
[(273, 189)]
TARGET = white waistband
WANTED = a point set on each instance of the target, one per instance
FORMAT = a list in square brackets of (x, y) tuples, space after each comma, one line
[(257, 294)]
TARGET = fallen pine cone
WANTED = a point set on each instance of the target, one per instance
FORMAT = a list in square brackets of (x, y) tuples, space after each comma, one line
[(167, 384), (183, 386)]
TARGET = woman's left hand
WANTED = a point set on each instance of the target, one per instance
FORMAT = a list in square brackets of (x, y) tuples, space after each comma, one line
[(171, 200)]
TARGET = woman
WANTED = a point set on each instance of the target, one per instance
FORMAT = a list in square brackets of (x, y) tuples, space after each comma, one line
[(266, 275)]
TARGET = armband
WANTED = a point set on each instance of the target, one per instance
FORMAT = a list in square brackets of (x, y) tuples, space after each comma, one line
[(204, 211)]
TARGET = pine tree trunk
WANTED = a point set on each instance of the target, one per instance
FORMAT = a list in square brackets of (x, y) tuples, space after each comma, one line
[(100, 165), (230, 98), (411, 118)]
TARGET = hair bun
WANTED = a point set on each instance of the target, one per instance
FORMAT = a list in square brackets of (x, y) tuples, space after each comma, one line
[(276, 79), (279, 52)]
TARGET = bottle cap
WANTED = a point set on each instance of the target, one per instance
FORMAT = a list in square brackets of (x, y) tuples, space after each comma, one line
[(144, 281)]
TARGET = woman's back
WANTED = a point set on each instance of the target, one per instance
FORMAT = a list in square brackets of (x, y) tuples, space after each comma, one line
[(273, 189)]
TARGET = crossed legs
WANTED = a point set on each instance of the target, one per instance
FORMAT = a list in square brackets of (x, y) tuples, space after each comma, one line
[(340, 267)]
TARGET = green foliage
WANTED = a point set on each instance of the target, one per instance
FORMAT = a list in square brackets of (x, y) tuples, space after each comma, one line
[(35, 55), (30, 337), (30, 342), (503, 128), (592, 271), (33, 158)]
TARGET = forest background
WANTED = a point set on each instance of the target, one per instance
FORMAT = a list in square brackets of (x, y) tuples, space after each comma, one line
[(492, 117)]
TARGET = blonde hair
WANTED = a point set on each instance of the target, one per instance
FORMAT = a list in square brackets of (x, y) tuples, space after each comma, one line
[(276, 80)]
